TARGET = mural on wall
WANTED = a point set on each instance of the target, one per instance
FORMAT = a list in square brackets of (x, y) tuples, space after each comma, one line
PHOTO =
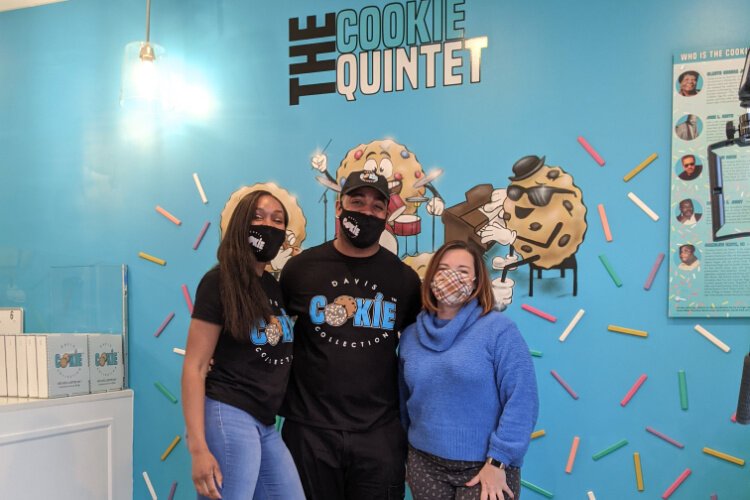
[(540, 216), (295, 231), (408, 184)]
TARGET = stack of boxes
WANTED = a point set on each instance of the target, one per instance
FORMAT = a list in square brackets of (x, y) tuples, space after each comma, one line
[(54, 365)]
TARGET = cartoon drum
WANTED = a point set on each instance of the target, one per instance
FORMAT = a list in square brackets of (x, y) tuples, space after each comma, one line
[(407, 225), (396, 207)]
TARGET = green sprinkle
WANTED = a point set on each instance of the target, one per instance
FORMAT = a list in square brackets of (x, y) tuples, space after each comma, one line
[(536, 488), (536, 354), (607, 451), (610, 270), (166, 392), (683, 389)]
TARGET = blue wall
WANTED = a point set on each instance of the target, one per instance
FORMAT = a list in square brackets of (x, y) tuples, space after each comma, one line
[(81, 177)]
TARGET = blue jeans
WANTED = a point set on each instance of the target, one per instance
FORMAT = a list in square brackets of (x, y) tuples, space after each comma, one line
[(253, 459)]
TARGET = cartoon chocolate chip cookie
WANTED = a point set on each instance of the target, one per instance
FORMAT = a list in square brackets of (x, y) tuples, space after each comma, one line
[(546, 209), (349, 304)]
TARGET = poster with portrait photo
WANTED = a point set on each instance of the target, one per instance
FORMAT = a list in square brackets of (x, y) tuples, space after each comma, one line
[(707, 278)]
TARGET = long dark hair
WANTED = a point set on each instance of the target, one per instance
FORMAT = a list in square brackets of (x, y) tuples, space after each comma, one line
[(242, 297)]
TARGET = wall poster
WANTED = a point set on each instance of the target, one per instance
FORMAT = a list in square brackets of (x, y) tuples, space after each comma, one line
[(708, 271)]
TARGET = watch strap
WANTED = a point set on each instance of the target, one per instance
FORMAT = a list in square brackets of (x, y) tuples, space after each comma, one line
[(495, 463)]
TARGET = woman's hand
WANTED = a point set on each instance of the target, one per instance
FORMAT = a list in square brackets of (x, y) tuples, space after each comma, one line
[(493, 483), (206, 474)]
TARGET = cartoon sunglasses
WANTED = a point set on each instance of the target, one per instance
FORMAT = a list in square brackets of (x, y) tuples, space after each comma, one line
[(539, 196)]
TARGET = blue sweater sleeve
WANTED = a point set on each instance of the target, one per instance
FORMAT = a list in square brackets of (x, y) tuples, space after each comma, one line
[(519, 400)]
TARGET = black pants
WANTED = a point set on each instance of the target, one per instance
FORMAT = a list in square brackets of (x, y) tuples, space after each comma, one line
[(340, 465), (435, 478)]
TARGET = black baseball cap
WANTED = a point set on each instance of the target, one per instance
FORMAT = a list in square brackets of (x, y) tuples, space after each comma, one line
[(364, 178)]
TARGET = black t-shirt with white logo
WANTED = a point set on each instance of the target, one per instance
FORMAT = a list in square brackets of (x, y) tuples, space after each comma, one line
[(350, 312), (252, 375)]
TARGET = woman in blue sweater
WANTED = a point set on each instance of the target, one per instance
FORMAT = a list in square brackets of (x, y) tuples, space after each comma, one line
[(468, 388)]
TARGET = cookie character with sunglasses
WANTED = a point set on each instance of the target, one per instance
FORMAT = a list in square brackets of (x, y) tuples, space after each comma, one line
[(545, 209)]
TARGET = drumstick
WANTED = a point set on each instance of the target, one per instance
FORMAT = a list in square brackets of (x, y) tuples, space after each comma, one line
[(514, 265)]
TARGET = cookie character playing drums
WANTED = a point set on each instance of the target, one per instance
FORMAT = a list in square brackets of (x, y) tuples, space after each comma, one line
[(407, 183)]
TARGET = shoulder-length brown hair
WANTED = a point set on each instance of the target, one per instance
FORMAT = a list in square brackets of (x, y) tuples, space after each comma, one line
[(243, 300), (483, 290)]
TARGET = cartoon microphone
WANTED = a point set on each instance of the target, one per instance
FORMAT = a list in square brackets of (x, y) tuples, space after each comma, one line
[(743, 402)]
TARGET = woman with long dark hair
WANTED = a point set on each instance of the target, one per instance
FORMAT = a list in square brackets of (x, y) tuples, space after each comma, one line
[(239, 321)]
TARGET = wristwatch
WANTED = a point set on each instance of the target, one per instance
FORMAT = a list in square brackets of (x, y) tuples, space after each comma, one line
[(495, 463)]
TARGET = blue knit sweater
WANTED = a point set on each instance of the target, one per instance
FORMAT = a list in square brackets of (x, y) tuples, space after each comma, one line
[(468, 388)]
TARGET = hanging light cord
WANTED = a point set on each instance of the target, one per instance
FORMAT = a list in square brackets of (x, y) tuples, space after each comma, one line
[(148, 20)]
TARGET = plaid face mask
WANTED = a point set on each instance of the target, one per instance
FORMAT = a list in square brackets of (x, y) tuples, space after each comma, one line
[(451, 287)]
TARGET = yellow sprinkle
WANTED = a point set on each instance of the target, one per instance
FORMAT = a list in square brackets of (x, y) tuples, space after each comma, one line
[(537, 434), (724, 456), (155, 260), (629, 331), (170, 448), (638, 471), (645, 163)]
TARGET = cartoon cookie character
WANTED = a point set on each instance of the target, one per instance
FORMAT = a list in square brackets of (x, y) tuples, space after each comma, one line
[(406, 177), (64, 360), (545, 209), (273, 331), (103, 359), (295, 231)]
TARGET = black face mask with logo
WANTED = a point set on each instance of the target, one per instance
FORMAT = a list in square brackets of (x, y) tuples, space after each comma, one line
[(265, 241), (360, 229)]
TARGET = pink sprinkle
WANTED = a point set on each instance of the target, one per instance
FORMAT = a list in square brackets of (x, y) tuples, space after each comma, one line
[(164, 324), (201, 235), (358, 154), (734, 417), (598, 159), (653, 272), (665, 438), (541, 314), (633, 390), (676, 484), (188, 300), (564, 384), (605, 222)]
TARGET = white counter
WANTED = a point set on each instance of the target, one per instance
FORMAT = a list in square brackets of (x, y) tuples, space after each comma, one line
[(77, 447)]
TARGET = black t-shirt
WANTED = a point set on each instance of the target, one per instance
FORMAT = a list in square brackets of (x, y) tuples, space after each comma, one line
[(350, 312), (252, 375)]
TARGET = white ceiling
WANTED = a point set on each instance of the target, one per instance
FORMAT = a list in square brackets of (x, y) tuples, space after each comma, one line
[(22, 4)]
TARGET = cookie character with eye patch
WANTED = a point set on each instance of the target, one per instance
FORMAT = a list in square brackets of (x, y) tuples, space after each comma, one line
[(545, 209)]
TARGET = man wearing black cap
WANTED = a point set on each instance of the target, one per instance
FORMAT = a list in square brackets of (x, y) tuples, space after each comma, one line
[(352, 298)]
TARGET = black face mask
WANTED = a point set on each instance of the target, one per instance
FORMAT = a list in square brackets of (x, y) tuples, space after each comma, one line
[(360, 229), (265, 241)]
